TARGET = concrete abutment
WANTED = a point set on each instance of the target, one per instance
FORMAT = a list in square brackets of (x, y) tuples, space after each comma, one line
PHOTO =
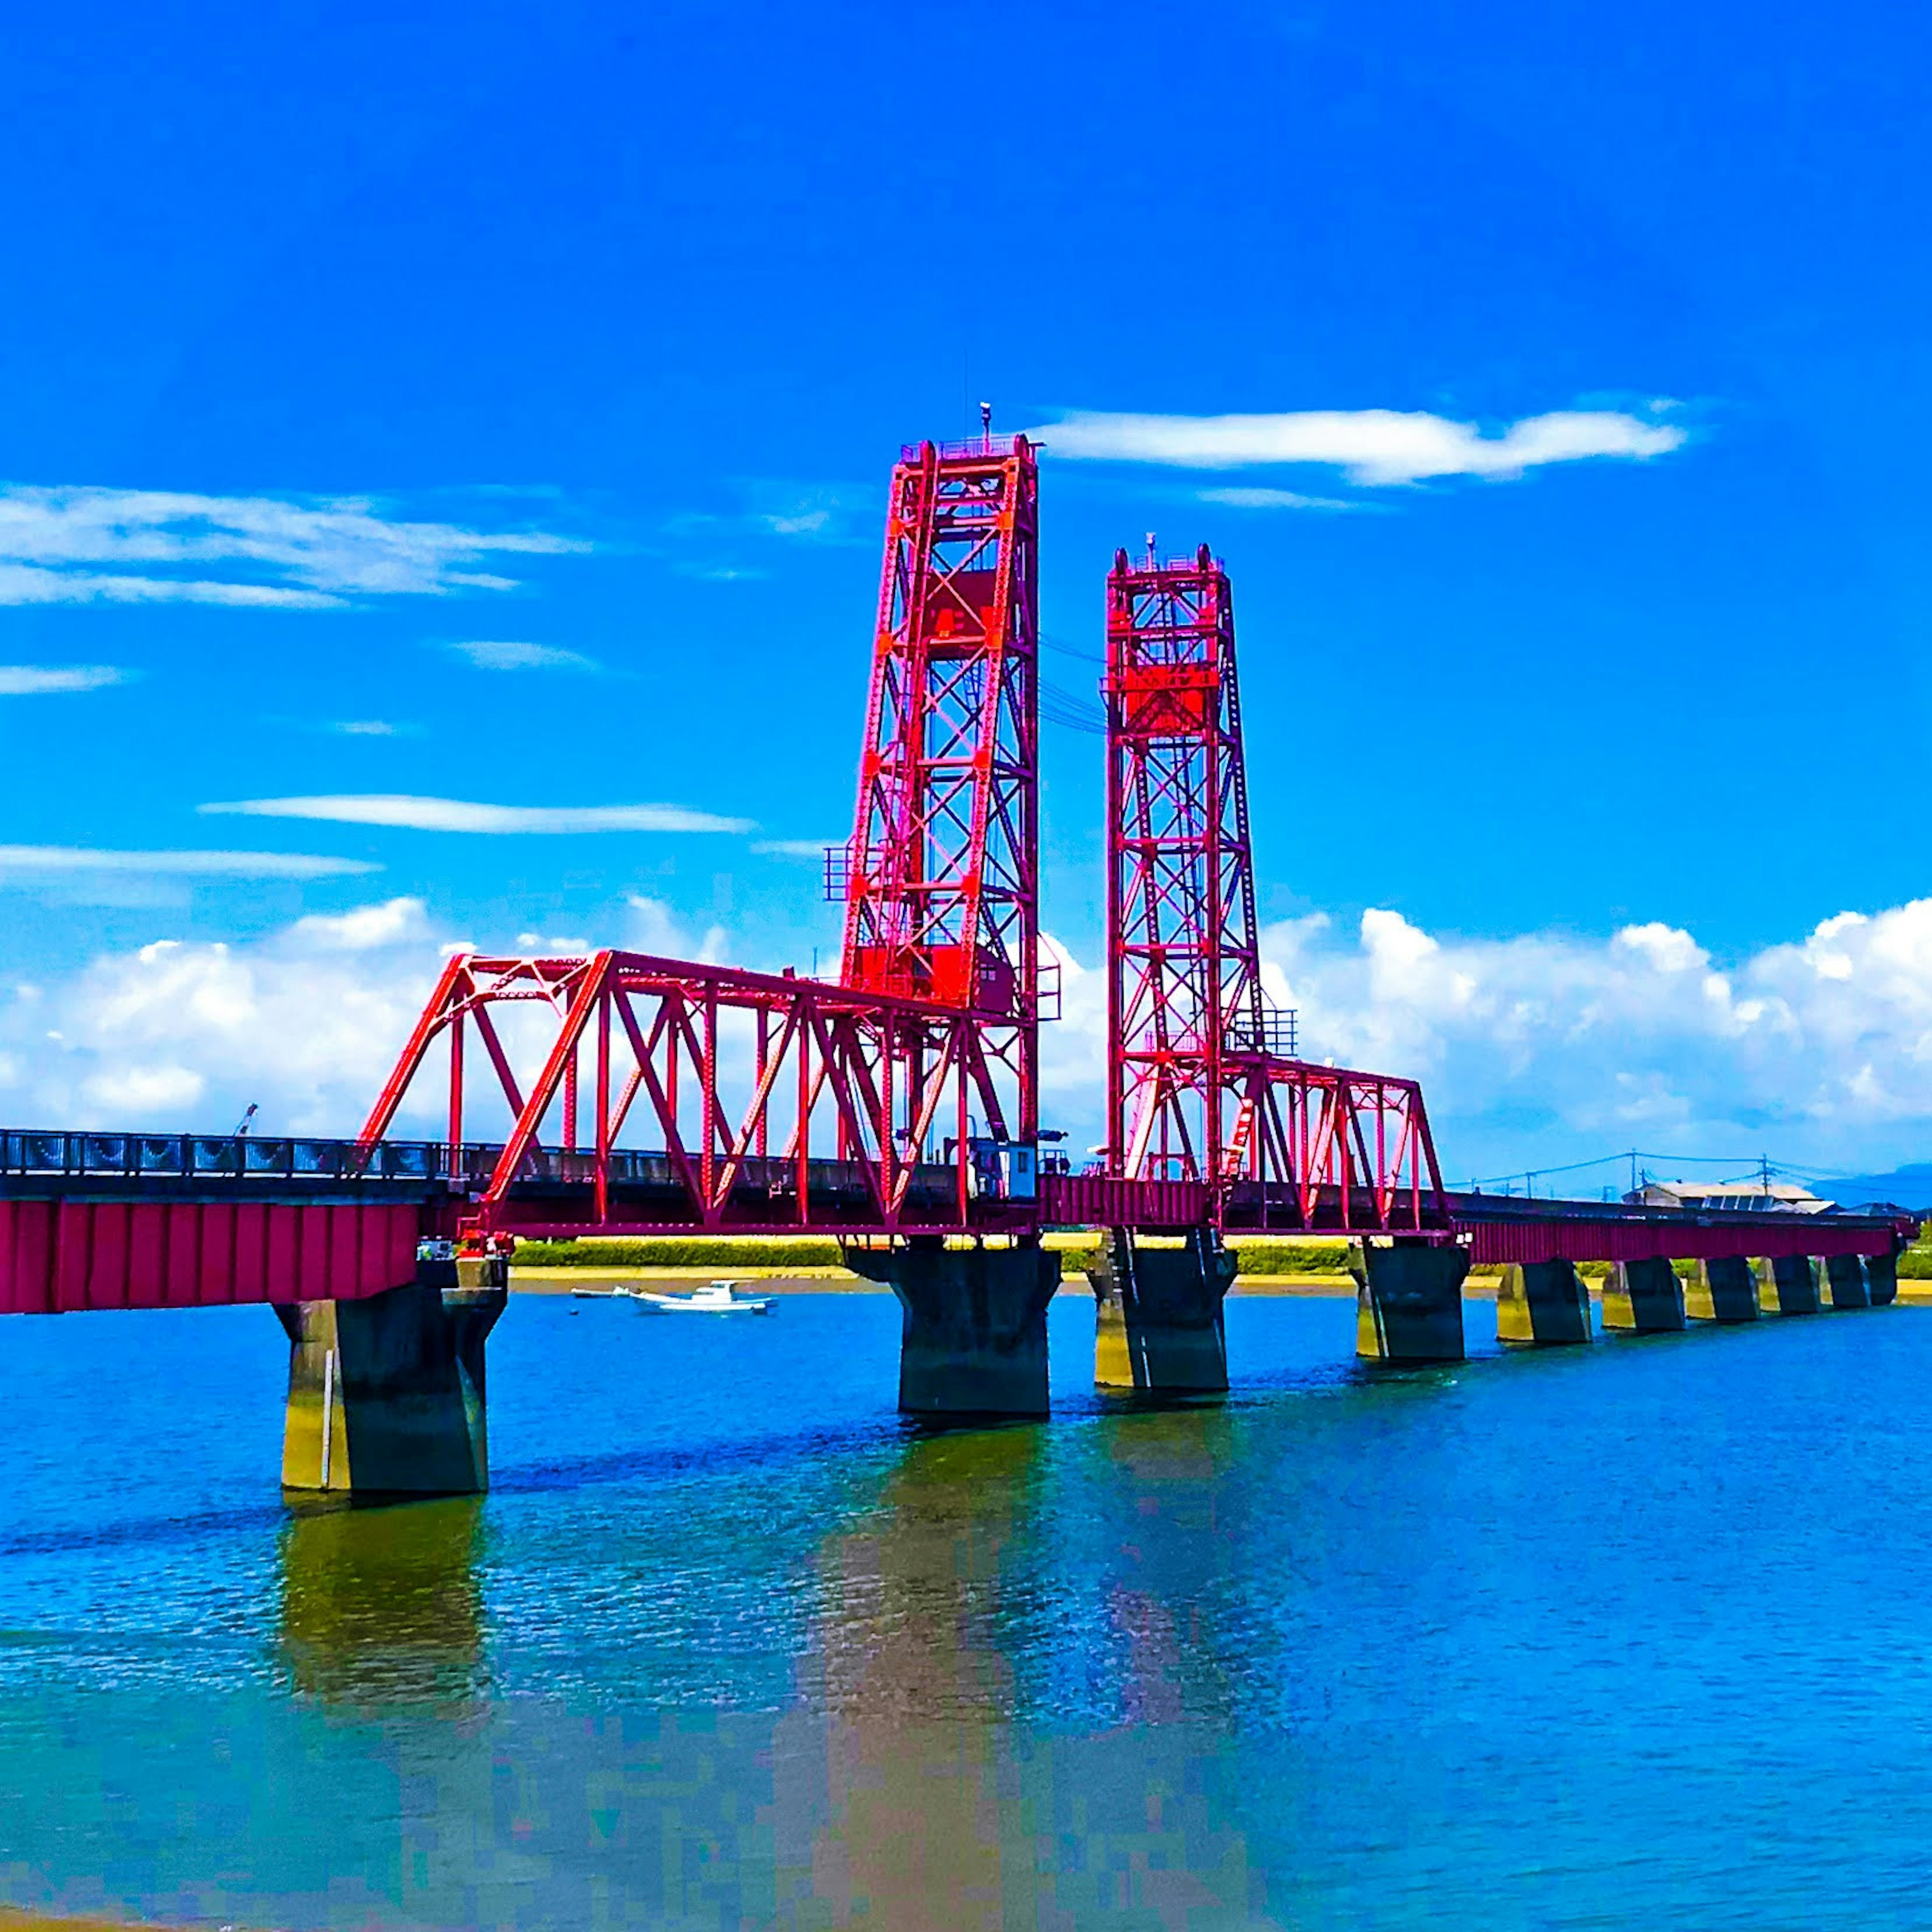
[(1408, 1300), (1158, 1326), (973, 1342), (386, 1394)]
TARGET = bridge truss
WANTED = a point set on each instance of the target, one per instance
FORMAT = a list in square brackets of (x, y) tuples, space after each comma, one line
[(1202, 1081), (895, 1100)]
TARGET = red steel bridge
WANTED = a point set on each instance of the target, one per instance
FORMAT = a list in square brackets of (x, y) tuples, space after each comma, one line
[(899, 1098)]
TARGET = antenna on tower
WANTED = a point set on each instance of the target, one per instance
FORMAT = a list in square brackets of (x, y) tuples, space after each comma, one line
[(986, 425), (1150, 563)]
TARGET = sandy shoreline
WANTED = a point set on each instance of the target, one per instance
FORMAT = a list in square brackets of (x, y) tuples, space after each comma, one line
[(838, 1281)]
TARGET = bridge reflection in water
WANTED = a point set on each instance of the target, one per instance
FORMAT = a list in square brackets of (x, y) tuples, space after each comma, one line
[(963, 1788), (383, 1608)]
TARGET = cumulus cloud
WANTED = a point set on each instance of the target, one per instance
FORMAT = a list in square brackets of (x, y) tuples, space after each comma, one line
[(450, 814), (1533, 1050), (179, 1034), (1820, 1048), (1373, 446), (38, 861), (84, 545), (496, 654), (37, 680), (182, 1035)]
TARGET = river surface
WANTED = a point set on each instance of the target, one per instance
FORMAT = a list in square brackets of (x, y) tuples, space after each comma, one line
[(1635, 1636)]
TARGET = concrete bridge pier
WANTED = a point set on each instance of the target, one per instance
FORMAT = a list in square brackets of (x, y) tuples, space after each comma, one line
[(974, 1339), (386, 1394), (1541, 1304), (1881, 1279), (1786, 1284), (1845, 1285), (1724, 1289), (1158, 1326), (1408, 1300), (1644, 1297)]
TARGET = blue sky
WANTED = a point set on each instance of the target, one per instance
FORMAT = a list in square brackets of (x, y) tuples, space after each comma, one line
[(526, 385)]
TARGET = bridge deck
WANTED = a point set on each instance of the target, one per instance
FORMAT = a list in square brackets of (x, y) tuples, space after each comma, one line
[(93, 1220)]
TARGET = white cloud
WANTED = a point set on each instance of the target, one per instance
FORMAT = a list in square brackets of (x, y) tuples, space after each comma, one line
[(40, 860), (1548, 1047), (35, 680), (370, 728), (394, 923), (91, 545), (1276, 500), (308, 1021), (450, 814), (493, 654), (183, 1035), (1820, 1050), (794, 848), (653, 927), (1373, 446), (1533, 1050), (26, 584)]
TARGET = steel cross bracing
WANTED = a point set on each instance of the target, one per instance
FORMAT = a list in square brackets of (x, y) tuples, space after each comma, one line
[(1202, 1084), (941, 877), (778, 1103), (1184, 967)]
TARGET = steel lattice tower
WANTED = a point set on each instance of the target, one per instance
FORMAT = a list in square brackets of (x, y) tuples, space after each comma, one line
[(1185, 1002), (941, 876)]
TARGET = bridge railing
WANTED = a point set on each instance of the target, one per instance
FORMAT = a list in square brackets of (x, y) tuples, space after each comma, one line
[(27, 1155)]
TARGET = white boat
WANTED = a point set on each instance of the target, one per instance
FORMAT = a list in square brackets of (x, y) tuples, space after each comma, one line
[(715, 1297)]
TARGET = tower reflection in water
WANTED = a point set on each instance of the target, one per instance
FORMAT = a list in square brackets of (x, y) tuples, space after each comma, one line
[(971, 1779), (383, 1606)]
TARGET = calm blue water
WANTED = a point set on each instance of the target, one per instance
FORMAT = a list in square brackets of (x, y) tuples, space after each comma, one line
[(1640, 1636)]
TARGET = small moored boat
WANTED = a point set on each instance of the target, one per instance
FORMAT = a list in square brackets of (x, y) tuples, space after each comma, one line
[(715, 1297)]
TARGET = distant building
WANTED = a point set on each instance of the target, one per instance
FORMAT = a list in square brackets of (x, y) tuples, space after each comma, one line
[(1734, 1197)]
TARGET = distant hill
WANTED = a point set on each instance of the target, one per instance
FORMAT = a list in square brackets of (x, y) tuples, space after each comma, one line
[(1905, 1187)]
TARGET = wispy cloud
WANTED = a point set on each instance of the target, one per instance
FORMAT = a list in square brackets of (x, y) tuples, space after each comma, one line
[(38, 861), (1277, 500), (77, 545), (501, 654), (372, 727), (1373, 446), (725, 547), (814, 849), (35, 680), (450, 814)]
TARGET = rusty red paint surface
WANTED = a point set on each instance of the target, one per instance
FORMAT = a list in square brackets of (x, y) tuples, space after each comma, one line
[(59, 1256)]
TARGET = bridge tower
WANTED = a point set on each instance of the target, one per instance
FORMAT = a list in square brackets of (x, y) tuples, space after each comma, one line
[(1184, 990), (941, 877)]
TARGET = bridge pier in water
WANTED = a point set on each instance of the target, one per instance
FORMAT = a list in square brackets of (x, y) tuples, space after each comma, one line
[(386, 1393), (1542, 1304), (1786, 1284), (1157, 1320), (1644, 1297), (974, 1339), (1845, 1282), (1408, 1300), (1881, 1279), (1724, 1289)]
